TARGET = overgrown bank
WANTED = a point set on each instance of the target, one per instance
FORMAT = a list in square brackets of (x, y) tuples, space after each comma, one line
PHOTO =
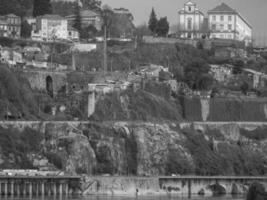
[(123, 148)]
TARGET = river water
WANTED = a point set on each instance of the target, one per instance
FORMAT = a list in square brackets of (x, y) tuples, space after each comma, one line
[(93, 197)]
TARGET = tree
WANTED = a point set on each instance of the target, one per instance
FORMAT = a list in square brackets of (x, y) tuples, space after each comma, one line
[(153, 21), (17, 7), (91, 4), (25, 29), (196, 74), (142, 30), (238, 66), (88, 32), (244, 88), (162, 28), (41, 7), (78, 21)]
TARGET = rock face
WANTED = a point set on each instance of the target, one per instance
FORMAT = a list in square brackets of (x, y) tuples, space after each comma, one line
[(125, 148)]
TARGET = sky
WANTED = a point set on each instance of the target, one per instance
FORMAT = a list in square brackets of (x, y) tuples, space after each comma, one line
[(254, 11)]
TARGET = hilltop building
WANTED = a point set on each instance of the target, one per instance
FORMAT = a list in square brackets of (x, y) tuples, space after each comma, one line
[(53, 27), (88, 17), (190, 21), (227, 23), (10, 26), (50, 27)]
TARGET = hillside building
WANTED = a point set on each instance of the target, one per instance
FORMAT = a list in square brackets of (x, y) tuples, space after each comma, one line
[(88, 17), (10, 26), (190, 21), (227, 23), (50, 27)]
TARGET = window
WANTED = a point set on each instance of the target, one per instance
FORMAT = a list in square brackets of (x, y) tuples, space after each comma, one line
[(221, 36), (229, 27), (230, 36), (214, 17), (189, 8), (189, 24), (222, 17), (221, 27), (230, 18), (213, 27)]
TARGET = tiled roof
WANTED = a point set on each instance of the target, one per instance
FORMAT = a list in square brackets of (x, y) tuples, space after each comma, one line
[(223, 8), (11, 15), (53, 17)]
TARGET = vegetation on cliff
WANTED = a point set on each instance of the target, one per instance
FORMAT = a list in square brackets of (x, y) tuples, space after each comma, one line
[(16, 97)]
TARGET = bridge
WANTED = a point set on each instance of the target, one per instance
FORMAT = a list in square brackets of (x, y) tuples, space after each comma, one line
[(38, 185)]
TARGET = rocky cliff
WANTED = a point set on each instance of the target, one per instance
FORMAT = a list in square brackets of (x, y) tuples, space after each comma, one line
[(124, 148)]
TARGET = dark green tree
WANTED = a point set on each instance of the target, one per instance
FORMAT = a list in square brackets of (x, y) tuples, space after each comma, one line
[(163, 26), (17, 7), (196, 74), (41, 7), (78, 21), (92, 4), (88, 32), (238, 66), (25, 29), (153, 22)]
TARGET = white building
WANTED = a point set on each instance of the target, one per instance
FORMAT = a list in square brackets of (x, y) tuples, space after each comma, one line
[(190, 21), (50, 27), (227, 23)]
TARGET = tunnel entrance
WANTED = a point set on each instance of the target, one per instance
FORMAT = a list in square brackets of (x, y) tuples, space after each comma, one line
[(49, 86)]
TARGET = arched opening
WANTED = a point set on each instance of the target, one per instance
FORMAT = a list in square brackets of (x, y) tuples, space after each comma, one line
[(49, 86), (217, 189)]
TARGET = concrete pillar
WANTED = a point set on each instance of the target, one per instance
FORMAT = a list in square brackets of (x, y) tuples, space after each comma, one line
[(67, 188), (30, 188), (48, 185), (91, 99), (6, 191), (24, 188), (55, 188), (37, 189), (12, 188), (18, 189), (43, 188), (60, 189)]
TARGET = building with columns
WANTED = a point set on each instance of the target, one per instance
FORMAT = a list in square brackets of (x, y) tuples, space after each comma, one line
[(227, 23), (190, 21)]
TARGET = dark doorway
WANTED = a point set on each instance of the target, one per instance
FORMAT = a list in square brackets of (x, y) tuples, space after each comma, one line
[(49, 86)]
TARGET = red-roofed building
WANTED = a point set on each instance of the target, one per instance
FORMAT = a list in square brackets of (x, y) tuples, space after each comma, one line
[(227, 23)]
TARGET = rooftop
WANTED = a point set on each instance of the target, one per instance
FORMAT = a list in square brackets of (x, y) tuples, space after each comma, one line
[(223, 8), (52, 17)]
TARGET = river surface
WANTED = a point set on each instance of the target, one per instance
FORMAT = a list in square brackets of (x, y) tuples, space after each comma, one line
[(93, 197)]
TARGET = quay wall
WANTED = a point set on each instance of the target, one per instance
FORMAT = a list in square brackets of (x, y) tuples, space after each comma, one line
[(225, 109), (183, 186)]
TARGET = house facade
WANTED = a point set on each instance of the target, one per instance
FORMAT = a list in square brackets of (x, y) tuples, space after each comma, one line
[(190, 21), (227, 23), (50, 27), (88, 17), (10, 26)]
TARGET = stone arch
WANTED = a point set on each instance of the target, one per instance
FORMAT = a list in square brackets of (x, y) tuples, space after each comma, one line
[(49, 86), (217, 189)]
